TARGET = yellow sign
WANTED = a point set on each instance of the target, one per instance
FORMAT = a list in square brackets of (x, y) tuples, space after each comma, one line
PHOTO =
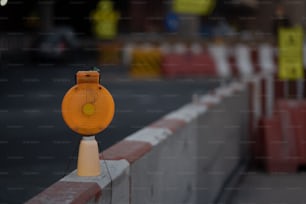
[(196, 7), (290, 53), (105, 20)]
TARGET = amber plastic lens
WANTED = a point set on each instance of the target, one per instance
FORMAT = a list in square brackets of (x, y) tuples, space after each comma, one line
[(88, 108)]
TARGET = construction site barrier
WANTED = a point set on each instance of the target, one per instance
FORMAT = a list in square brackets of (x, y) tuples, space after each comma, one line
[(109, 53), (217, 60), (146, 62), (189, 156)]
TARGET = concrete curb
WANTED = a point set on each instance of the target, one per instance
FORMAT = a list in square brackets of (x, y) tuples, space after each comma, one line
[(128, 150), (68, 192), (145, 166), (153, 136)]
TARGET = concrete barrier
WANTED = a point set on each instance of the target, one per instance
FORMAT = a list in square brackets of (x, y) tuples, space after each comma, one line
[(188, 156)]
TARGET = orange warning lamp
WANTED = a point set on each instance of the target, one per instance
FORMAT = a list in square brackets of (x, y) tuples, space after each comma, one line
[(88, 108)]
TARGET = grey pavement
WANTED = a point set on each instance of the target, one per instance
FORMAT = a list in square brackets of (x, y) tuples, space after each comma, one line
[(263, 188)]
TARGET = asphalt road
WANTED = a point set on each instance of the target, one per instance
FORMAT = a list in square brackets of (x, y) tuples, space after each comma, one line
[(37, 148)]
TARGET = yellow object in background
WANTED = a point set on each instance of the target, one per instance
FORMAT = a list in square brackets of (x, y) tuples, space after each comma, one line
[(146, 63), (291, 53), (105, 20), (196, 7)]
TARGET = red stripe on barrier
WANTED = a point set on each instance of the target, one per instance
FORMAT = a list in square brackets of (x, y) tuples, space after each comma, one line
[(203, 64), (207, 104), (129, 150), (280, 139), (255, 60), (299, 119), (263, 96), (233, 65), (68, 192), (174, 65)]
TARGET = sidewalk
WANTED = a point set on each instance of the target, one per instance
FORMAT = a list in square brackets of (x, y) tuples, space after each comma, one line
[(262, 188)]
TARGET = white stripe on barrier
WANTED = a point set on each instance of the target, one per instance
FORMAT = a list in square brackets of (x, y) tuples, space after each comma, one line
[(220, 55), (243, 58), (187, 113), (116, 169), (212, 99), (266, 58), (256, 99), (269, 103), (237, 86), (153, 136), (195, 109), (180, 48), (196, 48), (127, 54), (224, 91), (165, 48)]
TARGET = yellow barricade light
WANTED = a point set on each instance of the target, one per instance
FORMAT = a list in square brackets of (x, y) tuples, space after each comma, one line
[(88, 108)]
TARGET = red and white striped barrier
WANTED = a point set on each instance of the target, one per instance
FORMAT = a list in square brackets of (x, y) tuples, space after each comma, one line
[(185, 157), (216, 60), (220, 56)]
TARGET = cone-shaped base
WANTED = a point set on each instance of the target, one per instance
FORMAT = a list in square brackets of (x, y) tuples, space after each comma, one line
[(88, 159)]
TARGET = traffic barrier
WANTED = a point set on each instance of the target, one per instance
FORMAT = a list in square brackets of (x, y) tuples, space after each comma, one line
[(203, 64), (146, 62), (188, 64), (266, 58), (221, 59), (285, 110), (299, 119), (254, 86), (127, 52), (188, 156), (289, 89), (165, 48), (109, 53), (296, 110), (279, 132), (174, 65), (218, 60), (255, 59), (272, 89), (274, 156), (243, 59), (262, 97)]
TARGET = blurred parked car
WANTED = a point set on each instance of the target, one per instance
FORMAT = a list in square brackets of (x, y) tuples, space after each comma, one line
[(58, 44)]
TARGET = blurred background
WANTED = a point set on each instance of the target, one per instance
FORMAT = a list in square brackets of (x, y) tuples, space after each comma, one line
[(153, 55)]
